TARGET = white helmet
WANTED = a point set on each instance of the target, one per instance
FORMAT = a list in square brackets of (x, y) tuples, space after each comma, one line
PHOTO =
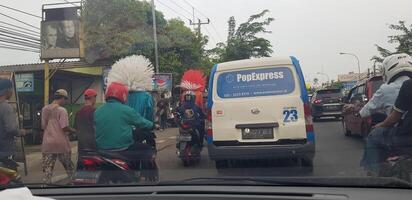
[(396, 64)]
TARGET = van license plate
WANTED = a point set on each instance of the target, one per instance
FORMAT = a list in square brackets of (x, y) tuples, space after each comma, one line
[(257, 133)]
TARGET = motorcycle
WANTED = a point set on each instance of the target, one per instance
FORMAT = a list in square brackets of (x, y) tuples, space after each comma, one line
[(187, 142), (108, 167), (8, 173)]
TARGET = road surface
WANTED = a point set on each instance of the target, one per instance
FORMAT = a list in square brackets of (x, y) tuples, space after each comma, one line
[(336, 155)]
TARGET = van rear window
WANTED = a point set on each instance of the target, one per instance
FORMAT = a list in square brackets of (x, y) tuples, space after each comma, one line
[(256, 82)]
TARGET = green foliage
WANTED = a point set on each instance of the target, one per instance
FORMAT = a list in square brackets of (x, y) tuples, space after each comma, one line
[(244, 42), (118, 28), (403, 40)]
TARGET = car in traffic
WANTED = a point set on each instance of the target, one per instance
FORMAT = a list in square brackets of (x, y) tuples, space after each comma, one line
[(327, 103), (357, 97), (259, 109)]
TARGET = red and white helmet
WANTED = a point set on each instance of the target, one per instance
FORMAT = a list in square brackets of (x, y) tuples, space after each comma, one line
[(117, 91), (396, 64)]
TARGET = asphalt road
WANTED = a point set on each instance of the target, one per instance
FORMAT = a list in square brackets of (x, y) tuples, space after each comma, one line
[(336, 155)]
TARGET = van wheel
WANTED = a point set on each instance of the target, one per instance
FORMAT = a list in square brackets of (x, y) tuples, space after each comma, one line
[(345, 129), (221, 165)]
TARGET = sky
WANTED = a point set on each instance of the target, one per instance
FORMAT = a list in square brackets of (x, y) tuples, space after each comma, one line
[(314, 31)]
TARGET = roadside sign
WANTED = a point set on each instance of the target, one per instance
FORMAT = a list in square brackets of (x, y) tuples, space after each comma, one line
[(25, 82), (163, 82)]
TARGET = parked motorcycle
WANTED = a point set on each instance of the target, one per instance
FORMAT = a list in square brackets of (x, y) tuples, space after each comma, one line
[(187, 142), (8, 173), (108, 167)]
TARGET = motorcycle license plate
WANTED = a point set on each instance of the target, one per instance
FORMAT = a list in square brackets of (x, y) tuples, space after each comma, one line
[(257, 133), (184, 138)]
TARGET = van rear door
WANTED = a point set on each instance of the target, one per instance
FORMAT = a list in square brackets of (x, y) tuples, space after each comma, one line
[(258, 104)]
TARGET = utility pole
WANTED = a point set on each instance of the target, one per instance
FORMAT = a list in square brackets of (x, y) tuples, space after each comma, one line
[(199, 24), (155, 38)]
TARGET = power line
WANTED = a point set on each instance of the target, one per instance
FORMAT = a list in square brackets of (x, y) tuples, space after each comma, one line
[(18, 31), (201, 13), (31, 37), (210, 35), (19, 38), (20, 43), (12, 25), (10, 47), (70, 2), (17, 10), (190, 13), (217, 32), (195, 9), (173, 10), (27, 24)]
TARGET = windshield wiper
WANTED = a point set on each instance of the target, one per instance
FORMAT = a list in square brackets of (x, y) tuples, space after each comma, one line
[(384, 182)]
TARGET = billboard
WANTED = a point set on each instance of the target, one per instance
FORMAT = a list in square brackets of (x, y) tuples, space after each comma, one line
[(60, 34), (163, 82)]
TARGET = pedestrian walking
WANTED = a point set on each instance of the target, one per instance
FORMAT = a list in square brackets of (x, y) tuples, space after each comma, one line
[(162, 111), (84, 123), (56, 143), (8, 122)]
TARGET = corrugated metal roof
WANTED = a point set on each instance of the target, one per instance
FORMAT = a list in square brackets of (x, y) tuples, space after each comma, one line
[(52, 65)]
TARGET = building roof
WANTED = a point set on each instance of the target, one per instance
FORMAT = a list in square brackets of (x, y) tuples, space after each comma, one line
[(351, 77), (53, 65)]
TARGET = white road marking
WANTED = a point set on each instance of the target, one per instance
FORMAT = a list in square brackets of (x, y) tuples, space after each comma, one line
[(173, 137), (161, 141)]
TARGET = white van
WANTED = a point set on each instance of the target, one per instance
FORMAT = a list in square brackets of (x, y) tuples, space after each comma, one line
[(259, 109)]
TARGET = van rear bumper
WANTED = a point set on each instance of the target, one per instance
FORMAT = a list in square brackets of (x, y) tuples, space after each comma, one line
[(305, 151)]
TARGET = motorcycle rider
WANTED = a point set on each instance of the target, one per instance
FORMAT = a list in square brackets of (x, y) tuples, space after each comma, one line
[(8, 125), (397, 70), (190, 111), (387, 136), (114, 122)]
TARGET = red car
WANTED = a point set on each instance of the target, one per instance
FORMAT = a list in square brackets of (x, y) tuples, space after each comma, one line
[(354, 101)]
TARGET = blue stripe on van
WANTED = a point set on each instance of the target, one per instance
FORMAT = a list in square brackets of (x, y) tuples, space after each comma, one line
[(303, 91), (210, 98), (210, 91), (310, 136)]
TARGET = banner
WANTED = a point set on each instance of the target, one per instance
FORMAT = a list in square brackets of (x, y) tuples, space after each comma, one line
[(256, 82), (163, 82)]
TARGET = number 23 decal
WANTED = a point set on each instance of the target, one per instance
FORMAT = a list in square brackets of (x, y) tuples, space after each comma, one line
[(290, 115)]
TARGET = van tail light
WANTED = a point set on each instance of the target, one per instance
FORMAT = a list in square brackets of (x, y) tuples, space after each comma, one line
[(120, 163), (309, 123), (317, 101), (209, 129)]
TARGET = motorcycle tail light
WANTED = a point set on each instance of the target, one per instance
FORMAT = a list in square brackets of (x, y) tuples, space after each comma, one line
[(91, 162), (4, 179)]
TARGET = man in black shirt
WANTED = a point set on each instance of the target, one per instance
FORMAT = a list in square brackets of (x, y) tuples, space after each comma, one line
[(386, 135)]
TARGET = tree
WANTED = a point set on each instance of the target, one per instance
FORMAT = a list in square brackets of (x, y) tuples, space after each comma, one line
[(118, 28), (243, 42), (403, 41)]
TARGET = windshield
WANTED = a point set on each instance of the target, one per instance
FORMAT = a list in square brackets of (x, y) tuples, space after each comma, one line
[(139, 92)]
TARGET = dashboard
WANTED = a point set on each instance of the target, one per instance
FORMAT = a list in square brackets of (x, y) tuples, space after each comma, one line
[(222, 192)]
